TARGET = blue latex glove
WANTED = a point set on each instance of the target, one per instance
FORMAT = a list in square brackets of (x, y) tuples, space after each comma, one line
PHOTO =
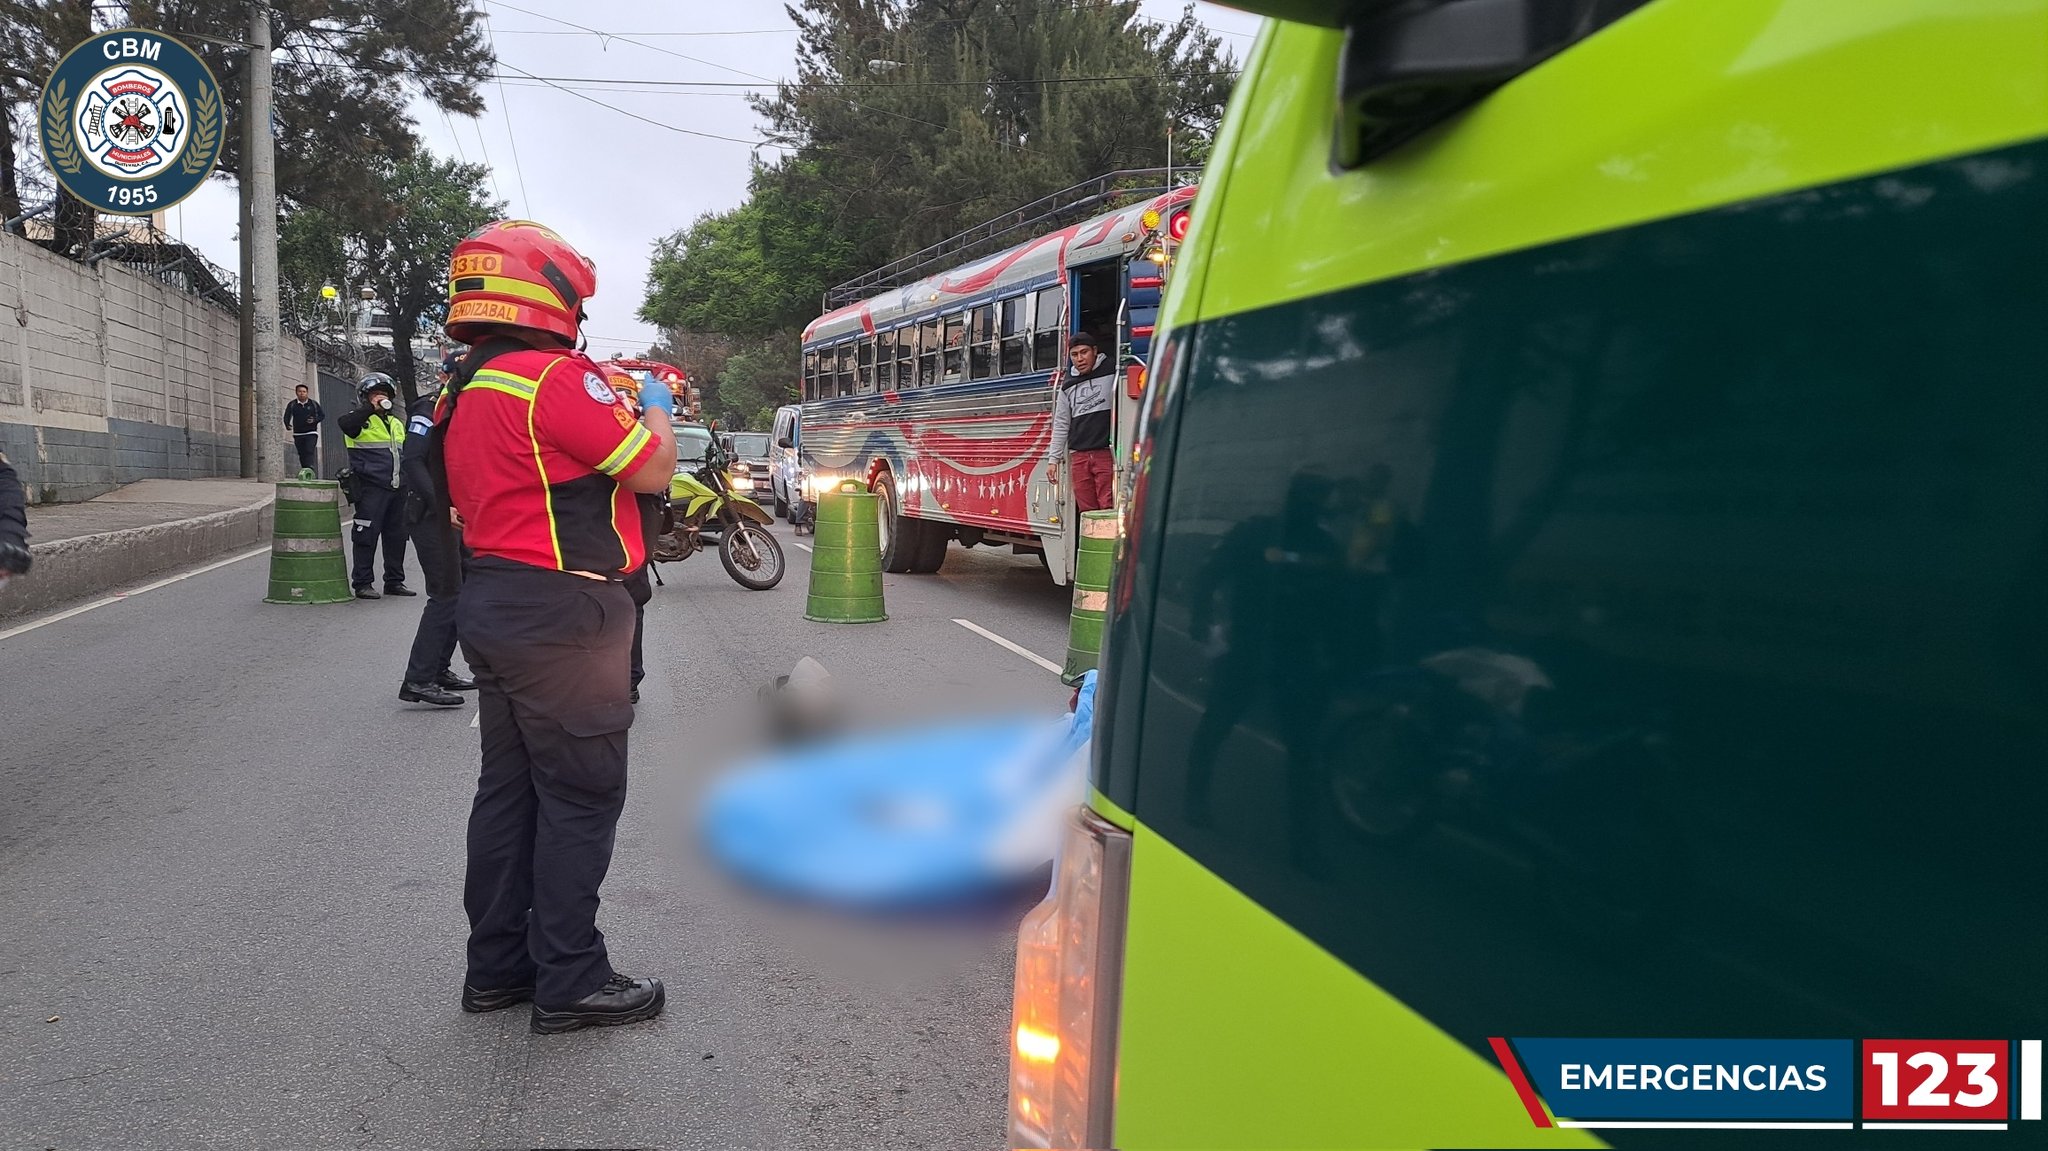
[(655, 397)]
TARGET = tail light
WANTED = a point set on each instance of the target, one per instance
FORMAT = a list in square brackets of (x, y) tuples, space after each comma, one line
[(1069, 967)]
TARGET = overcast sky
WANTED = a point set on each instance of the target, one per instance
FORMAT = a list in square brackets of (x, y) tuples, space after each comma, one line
[(609, 183)]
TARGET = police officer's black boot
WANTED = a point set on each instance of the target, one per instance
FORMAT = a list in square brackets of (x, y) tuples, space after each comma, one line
[(428, 693), (621, 1000)]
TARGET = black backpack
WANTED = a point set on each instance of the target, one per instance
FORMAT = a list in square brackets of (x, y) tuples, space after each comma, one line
[(437, 464)]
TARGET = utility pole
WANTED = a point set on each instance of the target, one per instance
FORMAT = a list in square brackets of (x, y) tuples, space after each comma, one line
[(259, 238)]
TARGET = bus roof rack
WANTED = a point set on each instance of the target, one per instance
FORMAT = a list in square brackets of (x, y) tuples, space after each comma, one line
[(1084, 199)]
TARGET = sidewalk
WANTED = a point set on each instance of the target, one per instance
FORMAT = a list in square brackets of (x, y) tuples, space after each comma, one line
[(133, 533)]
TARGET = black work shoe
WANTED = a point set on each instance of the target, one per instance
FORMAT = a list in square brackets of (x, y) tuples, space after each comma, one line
[(428, 693), (398, 589), (453, 682), (636, 695), (367, 592), (477, 1002), (620, 1000)]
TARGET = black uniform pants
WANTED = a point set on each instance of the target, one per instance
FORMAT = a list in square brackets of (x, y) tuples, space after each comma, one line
[(308, 444), (549, 652), (433, 645), (379, 516), (640, 586)]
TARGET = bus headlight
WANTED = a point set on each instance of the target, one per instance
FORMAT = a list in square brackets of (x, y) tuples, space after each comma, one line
[(1064, 1014)]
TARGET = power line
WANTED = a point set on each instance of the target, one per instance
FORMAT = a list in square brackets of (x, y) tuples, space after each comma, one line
[(581, 95), (582, 32), (450, 121), (505, 111), (627, 40), (523, 82), (990, 82), (696, 60), (476, 124)]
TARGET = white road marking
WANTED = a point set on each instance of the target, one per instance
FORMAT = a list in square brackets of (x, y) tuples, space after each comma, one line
[(999, 641), (132, 593), (2030, 1078), (806, 547), (477, 720)]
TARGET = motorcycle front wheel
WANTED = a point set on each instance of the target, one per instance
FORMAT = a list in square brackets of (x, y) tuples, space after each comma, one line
[(751, 556)]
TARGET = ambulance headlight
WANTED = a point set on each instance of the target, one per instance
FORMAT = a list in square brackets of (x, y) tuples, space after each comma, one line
[(1064, 1012)]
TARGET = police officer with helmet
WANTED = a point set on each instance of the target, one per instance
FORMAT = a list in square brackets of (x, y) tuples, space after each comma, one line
[(437, 541), (541, 459), (375, 436)]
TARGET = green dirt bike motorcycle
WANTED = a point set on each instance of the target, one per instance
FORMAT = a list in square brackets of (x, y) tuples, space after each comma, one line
[(702, 510)]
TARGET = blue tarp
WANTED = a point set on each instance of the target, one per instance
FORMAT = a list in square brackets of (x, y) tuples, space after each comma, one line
[(919, 816)]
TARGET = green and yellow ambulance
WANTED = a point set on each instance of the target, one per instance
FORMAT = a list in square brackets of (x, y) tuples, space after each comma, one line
[(1587, 575)]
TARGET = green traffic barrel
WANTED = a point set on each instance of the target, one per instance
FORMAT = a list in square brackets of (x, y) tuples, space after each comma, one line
[(846, 557), (1092, 564), (307, 564)]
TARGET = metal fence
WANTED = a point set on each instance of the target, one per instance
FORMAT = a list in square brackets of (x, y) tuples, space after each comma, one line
[(137, 243)]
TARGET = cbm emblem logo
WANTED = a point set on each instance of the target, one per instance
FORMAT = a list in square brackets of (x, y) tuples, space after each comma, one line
[(131, 121)]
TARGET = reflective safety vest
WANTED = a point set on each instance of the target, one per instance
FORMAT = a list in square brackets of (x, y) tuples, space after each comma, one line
[(373, 453), (534, 450)]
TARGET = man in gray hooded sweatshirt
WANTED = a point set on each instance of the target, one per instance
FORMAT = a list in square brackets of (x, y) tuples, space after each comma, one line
[(1080, 423)]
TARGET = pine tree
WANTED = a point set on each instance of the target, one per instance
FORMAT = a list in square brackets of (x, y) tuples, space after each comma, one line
[(912, 119)]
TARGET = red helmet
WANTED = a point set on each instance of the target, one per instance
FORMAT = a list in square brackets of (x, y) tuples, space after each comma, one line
[(516, 273)]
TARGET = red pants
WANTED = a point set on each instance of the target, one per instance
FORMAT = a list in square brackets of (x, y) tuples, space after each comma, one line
[(1094, 480)]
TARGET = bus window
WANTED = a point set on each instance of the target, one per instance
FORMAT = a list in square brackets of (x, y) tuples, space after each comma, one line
[(956, 348), (843, 376), (906, 357), (928, 354), (867, 365), (810, 375), (981, 347), (1016, 338), (1049, 318)]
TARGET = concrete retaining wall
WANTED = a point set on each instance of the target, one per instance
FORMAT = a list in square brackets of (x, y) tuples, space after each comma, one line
[(108, 377), (82, 566)]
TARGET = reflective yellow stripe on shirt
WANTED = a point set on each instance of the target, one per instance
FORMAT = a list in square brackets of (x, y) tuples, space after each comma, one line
[(509, 384), (616, 462)]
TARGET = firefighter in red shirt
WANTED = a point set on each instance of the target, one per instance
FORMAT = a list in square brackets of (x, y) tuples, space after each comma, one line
[(542, 458)]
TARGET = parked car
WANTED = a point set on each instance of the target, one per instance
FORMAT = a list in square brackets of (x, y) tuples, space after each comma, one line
[(785, 458), (750, 471), (692, 441)]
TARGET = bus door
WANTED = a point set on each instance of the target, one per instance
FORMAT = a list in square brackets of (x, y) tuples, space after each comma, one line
[(1094, 306), (1144, 282), (1052, 503)]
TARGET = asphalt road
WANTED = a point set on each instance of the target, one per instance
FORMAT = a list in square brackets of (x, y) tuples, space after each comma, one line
[(230, 868)]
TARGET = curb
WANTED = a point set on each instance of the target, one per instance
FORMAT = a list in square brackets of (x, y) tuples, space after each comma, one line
[(71, 569)]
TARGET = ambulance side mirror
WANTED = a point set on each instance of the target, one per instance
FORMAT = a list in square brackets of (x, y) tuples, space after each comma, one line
[(1407, 69)]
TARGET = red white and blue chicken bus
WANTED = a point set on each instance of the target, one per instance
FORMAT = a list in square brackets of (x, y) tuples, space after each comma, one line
[(938, 394)]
